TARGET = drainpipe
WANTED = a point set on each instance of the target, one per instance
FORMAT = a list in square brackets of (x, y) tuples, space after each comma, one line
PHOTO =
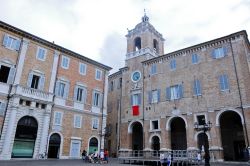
[(240, 95), (143, 107)]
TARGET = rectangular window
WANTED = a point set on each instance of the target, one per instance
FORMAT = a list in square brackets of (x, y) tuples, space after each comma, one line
[(65, 62), (195, 59), (201, 119), (155, 96), (96, 99), (41, 53), (119, 85), (2, 108), (4, 73), (77, 121), (224, 83), (111, 85), (60, 89), (173, 64), (219, 52), (82, 68), (35, 82), (136, 99), (174, 92), (153, 69), (98, 74), (57, 118), (11, 42), (80, 93), (154, 125), (197, 88), (95, 123)]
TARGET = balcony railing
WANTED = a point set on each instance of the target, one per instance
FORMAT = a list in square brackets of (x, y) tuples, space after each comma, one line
[(141, 52), (32, 93)]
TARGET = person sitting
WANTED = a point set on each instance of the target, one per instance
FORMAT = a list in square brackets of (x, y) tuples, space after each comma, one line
[(84, 154)]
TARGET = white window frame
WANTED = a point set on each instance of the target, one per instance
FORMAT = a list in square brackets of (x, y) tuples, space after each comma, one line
[(195, 88), (195, 59), (153, 69), (135, 99), (95, 121), (196, 119), (174, 90), (219, 52), (96, 74), (59, 93), (80, 69), (173, 64), (62, 62), (224, 76), (38, 51), (54, 120), (154, 98), (84, 95), (76, 125), (12, 67)]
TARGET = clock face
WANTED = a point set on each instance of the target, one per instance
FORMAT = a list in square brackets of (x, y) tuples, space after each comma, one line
[(136, 76)]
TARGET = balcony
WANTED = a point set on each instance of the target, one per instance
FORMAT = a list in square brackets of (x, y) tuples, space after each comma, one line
[(32, 93), (4, 88), (141, 52)]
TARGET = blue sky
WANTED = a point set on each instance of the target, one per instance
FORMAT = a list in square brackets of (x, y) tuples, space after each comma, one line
[(97, 28)]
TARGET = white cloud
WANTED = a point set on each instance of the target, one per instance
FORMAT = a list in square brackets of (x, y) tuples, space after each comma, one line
[(89, 27)]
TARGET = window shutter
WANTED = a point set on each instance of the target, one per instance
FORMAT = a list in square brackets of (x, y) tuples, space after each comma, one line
[(5, 40), (225, 51), (84, 97), (214, 54), (57, 88), (75, 93), (149, 97), (199, 87), (41, 82), (17, 44), (139, 99), (100, 100), (11, 75), (93, 98), (180, 91), (168, 93), (131, 99), (158, 95), (2, 108), (221, 82), (29, 79), (66, 92), (226, 82)]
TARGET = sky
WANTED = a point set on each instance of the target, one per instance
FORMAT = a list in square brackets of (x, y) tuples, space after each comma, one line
[(96, 28)]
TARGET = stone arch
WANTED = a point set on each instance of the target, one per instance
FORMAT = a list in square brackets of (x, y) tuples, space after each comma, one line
[(156, 134), (199, 132), (170, 120), (130, 126), (137, 43), (217, 123), (98, 140), (61, 145)]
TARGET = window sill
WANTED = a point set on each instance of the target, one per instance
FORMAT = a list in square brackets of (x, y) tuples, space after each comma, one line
[(155, 130)]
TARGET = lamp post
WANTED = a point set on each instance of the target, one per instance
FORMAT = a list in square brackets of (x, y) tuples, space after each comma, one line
[(205, 127)]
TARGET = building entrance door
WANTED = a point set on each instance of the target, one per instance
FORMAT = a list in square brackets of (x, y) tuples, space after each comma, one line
[(232, 136), (137, 136), (54, 146), (178, 134), (93, 145), (25, 138)]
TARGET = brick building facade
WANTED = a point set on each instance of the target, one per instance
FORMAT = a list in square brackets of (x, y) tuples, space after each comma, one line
[(52, 100), (156, 99)]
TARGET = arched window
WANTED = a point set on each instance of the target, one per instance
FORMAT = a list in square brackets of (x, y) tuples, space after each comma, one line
[(137, 44), (156, 45)]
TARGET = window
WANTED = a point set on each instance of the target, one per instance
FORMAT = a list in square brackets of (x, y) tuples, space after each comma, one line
[(195, 59), (154, 96), (62, 89), (174, 92), (11, 42), (95, 123), (57, 118), (197, 88), (154, 125), (136, 99), (173, 64), (219, 52), (224, 85), (97, 99), (41, 53), (201, 119), (77, 121), (153, 69), (98, 74), (65, 62), (137, 45), (82, 68), (7, 74), (119, 85), (2, 108), (36, 81), (80, 93), (111, 85)]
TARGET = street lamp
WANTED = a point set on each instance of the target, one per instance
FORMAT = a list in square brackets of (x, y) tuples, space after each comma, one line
[(205, 127)]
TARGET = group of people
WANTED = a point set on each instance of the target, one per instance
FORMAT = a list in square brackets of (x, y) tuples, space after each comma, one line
[(96, 157)]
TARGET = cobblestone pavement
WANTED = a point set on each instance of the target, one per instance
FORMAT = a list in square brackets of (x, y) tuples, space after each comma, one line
[(113, 162)]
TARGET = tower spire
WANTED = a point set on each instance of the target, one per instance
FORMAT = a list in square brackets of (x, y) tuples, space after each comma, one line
[(145, 18)]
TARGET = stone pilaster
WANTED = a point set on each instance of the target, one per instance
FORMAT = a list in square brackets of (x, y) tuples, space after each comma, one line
[(53, 72)]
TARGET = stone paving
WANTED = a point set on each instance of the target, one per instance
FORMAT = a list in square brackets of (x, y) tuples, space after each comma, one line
[(113, 162)]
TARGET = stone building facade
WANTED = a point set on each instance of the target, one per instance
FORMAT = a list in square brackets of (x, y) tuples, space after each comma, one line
[(162, 96), (53, 101)]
